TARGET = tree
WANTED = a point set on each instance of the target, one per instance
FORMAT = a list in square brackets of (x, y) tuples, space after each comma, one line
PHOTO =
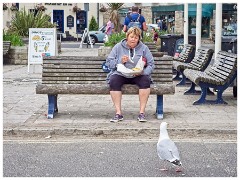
[(115, 6), (93, 26)]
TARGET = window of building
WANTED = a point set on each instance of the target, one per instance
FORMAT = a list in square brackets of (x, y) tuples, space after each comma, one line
[(229, 23), (86, 6), (168, 20), (205, 26)]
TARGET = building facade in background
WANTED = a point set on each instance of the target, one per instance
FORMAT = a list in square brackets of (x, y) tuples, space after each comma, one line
[(73, 18)]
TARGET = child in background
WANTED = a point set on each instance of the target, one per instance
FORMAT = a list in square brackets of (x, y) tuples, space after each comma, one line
[(155, 35)]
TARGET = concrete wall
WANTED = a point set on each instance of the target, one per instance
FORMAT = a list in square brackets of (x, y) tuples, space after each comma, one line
[(179, 21)]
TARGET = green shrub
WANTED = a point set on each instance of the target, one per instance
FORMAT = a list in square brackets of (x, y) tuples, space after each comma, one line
[(14, 38), (24, 20), (114, 39), (147, 37), (93, 26), (162, 32), (117, 37)]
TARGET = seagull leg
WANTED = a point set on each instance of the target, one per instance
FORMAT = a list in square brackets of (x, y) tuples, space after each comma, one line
[(178, 169), (164, 167)]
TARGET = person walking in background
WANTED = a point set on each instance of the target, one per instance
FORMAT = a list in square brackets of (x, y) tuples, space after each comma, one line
[(128, 52), (135, 20), (109, 27), (159, 22), (164, 25)]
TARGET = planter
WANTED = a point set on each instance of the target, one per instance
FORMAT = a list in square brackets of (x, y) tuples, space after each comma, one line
[(104, 51), (5, 6), (76, 9), (103, 9), (41, 8), (13, 8), (18, 55), (25, 40)]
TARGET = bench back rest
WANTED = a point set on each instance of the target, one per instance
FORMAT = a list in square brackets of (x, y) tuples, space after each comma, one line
[(202, 58), (187, 53), (224, 67), (88, 70), (6, 46)]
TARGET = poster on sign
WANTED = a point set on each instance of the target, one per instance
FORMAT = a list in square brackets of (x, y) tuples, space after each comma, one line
[(42, 42)]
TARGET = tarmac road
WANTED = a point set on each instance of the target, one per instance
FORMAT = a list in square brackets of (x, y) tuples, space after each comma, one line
[(115, 158)]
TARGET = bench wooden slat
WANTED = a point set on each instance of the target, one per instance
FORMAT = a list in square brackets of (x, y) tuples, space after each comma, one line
[(99, 89), (6, 47), (162, 81), (219, 73), (186, 54)]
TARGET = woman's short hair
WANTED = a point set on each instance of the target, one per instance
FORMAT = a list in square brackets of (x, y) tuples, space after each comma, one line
[(134, 30)]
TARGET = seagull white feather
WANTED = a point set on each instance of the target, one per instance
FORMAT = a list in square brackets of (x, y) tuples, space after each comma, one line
[(166, 148)]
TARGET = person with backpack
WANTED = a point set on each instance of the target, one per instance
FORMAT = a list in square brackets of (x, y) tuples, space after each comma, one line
[(135, 20)]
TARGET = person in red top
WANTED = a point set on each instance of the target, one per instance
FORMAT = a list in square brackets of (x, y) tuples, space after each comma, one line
[(155, 35)]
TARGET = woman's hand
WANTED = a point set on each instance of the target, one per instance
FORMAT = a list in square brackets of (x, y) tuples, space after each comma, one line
[(125, 59), (140, 73)]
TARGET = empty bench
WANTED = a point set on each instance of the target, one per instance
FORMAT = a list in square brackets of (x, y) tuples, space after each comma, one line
[(218, 76), (200, 62), (6, 47), (84, 75), (186, 56)]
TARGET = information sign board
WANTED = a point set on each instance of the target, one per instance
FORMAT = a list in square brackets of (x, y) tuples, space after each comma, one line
[(42, 42)]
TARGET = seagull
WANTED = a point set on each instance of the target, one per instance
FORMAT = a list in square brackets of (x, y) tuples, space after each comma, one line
[(166, 148)]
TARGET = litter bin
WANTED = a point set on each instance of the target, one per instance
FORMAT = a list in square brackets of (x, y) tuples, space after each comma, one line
[(192, 39), (226, 43), (179, 45), (168, 43)]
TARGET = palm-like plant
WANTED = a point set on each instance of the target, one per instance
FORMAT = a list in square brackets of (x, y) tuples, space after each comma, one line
[(24, 20)]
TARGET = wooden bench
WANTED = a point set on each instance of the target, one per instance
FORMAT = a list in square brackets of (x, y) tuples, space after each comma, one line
[(200, 62), (218, 76), (6, 47), (84, 75), (186, 56)]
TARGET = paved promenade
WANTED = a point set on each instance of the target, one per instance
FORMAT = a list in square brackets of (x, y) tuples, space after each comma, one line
[(24, 112)]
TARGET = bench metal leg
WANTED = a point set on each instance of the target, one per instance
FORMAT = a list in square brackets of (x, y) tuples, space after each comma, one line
[(193, 91), (203, 100), (177, 77), (219, 99), (52, 106), (159, 109), (183, 80)]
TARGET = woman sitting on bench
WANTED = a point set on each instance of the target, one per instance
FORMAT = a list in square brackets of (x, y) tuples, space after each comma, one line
[(128, 52)]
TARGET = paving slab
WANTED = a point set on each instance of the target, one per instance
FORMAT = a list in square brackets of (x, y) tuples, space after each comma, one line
[(24, 112)]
